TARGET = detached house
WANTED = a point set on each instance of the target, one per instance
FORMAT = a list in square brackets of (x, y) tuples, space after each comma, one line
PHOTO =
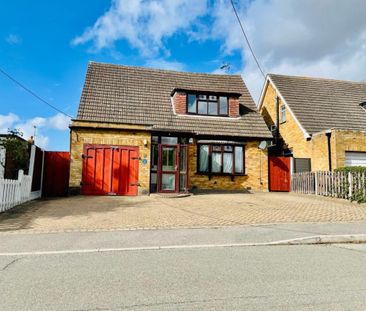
[(140, 131), (321, 123)]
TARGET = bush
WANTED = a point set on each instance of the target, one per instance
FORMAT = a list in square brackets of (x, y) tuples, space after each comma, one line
[(352, 169), (358, 182)]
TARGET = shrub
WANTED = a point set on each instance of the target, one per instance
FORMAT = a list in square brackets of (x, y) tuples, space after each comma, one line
[(352, 169)]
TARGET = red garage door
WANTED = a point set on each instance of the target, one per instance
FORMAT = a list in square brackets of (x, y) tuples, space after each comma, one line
[(279, 174), (110, 170)]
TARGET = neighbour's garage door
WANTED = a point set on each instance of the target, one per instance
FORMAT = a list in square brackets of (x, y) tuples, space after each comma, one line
[(110, 170), (355, 158)]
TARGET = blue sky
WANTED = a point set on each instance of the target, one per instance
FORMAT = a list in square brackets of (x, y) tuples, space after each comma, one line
[(47, 44)]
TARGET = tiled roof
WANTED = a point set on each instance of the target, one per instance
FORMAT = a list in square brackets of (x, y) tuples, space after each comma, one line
[(142, 96), (321, 104)]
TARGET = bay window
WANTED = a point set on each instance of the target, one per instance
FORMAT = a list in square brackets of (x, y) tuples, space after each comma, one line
[(221, 159)]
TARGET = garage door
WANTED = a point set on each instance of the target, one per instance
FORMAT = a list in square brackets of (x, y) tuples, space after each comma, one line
[(110, 170), (355, 158)]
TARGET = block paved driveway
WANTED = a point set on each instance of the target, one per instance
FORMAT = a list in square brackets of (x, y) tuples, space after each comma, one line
[(81, 213)]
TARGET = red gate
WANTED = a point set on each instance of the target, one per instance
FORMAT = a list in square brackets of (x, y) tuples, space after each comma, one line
[(110, 170), (56, 173), (279, 174)]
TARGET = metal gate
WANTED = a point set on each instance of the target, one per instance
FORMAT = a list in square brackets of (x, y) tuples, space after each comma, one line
[(279, 174), (110, 170)]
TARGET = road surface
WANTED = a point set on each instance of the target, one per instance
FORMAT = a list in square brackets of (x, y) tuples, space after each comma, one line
[(306, 277)]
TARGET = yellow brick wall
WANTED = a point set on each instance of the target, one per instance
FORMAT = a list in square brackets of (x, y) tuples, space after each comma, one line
[(256, 169), (289, 130), (81, 136), (346, 140), (319, 157)]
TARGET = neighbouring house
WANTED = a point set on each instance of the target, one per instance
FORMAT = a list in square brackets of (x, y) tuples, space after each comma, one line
[(140, 131), (321, 123)]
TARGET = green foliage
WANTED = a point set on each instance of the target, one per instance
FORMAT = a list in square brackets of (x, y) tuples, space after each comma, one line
[(358, 183), (352, 169), (16, 149)]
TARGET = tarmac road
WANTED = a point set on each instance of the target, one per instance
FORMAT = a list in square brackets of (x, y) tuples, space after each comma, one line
[(301, 277)]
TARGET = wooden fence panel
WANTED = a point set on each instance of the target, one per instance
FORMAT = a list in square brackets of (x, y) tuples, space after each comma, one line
[(346, 185)]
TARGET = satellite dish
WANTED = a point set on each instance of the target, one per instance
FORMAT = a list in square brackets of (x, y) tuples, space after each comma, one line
[(262, 145)]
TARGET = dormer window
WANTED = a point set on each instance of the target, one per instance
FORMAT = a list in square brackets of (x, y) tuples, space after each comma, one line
[(208, 104), (363, 105)]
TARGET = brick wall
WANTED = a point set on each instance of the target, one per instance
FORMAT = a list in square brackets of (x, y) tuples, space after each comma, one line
[(256, 169), (289, 130), (81, 136), (180, 102), (233, 107), (319, 156)]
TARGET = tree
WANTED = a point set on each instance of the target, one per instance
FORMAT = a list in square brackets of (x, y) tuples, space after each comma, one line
[(16, 153)]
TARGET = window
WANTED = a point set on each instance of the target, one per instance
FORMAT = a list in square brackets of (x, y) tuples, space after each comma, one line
[(204, 104), (169, 140), (221, 159), (191, 104), (283, 114), (363, 105)]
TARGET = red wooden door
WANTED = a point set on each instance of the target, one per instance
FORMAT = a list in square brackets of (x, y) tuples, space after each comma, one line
[(56, 173), (110, 170), (279, 174)]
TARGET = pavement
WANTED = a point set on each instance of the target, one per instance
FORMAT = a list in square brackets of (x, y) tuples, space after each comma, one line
[(114, 240), (88, 213)]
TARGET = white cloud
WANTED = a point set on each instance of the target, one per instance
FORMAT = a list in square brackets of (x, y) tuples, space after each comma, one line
[(13, 39), (7, 121), (143, 23), (164, 64), (57, 122), (305, 37)]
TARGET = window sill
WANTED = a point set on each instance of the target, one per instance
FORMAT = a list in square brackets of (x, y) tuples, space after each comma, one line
[(220, 174)]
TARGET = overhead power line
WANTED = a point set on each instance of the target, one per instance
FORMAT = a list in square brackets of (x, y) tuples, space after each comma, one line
[(246, 39), (32, 93)]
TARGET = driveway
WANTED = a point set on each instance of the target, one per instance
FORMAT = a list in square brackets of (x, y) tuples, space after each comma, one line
[(89, 213)]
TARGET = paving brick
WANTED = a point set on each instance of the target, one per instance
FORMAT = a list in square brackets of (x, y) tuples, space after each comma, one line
[(88, 213)]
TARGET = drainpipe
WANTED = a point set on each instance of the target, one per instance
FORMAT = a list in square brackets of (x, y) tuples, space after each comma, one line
[(329, 134)]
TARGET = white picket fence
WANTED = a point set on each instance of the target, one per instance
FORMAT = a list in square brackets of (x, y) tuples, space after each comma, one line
[(346, 185), (14, 192)]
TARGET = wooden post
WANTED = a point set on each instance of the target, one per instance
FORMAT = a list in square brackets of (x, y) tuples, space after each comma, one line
[(316, 184), (350, 185)]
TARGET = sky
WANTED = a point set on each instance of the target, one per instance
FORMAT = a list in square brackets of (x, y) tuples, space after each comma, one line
[(46, 45)]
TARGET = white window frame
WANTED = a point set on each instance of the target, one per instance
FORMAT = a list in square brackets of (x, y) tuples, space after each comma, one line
[(283, 114)]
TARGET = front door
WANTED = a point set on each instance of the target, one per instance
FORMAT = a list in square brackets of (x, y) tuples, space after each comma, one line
[(168, 168)]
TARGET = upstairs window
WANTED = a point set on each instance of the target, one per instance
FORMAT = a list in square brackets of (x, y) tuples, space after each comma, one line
[(283, 114), (363, 105), (206, 104)]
